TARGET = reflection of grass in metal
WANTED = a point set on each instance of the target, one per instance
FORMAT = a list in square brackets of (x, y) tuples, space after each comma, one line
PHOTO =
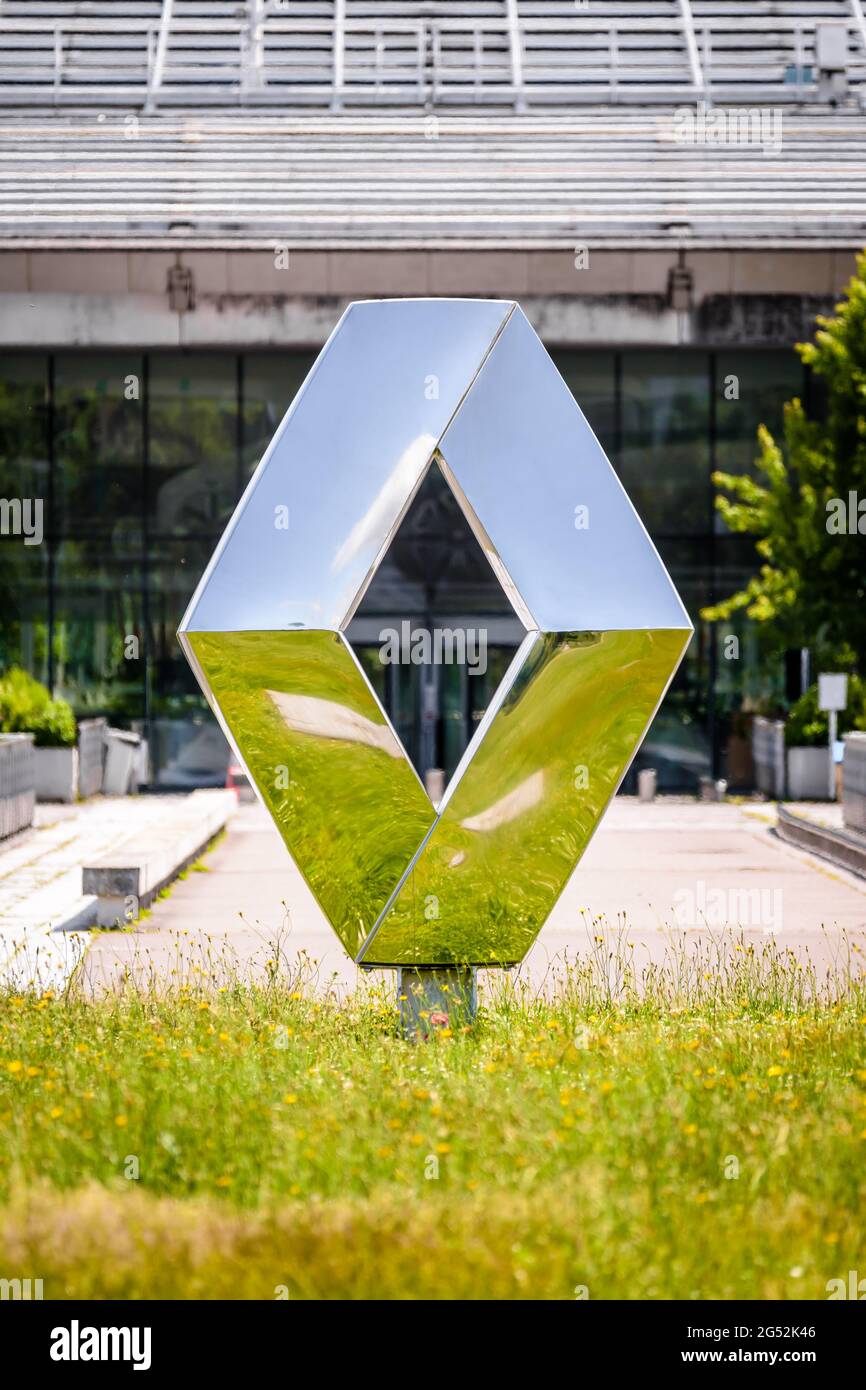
[(485, 883), (350, 812), (582, 1134)]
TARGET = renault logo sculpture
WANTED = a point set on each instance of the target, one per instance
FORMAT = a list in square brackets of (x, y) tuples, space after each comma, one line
[(436, 890)]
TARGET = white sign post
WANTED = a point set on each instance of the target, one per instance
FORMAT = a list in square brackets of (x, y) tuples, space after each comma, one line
[(832, 697)]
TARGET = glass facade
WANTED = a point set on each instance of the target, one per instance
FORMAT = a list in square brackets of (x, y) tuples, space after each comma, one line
[(139, 459), (435, 578)]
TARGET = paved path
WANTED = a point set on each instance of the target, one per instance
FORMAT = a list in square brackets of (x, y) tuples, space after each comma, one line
[(41, 902), (672, 864)]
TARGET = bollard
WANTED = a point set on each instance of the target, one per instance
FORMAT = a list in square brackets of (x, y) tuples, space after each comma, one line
[(646, 784), (434, 784), (712, 789)]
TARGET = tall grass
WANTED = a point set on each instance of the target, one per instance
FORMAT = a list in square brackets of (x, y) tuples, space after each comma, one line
[(690, 1128)]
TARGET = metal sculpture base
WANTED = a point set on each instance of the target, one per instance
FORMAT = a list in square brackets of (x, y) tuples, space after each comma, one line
[(433, 998)]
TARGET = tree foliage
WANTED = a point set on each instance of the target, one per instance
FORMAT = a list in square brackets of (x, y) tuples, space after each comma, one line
[(806, 504)]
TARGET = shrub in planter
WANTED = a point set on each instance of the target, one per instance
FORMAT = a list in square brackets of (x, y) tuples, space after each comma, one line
[(806, 734), (807, 726), (27, 707)]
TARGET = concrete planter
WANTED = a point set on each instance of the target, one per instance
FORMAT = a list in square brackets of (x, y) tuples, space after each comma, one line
[(91, 756), (185, 753), (120, 762), (55, 773), (17, 797), (808, 774), (854, 783)]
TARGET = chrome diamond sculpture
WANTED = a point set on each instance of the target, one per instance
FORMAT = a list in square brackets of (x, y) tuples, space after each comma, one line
[(467, 387)]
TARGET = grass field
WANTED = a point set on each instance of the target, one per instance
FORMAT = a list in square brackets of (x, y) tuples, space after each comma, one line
[(698, 1133)]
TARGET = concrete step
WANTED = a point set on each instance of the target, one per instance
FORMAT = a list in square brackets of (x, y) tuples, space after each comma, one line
[(128, 878)]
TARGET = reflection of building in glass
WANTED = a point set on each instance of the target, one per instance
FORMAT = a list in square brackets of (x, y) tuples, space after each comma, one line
[(187, 217), (436, 577)]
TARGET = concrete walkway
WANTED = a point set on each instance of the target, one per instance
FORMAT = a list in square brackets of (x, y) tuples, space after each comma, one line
[(43, 911), (673, 864)]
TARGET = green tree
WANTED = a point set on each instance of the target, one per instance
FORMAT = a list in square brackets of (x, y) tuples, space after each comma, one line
[(806, 505)]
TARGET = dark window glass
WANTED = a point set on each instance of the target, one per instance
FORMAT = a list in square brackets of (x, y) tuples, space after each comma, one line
[(24, 449), (435, 579), (679, 743), (201, 453), (591, 378), (749, 677), (174, 569), (748, 673), (98, 443), (194, 475), (24, 606), (271, 382), (751, 390), (664, 463), (187, 748), (98, 631)]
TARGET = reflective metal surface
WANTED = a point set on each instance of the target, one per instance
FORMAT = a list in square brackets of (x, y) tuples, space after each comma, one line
[(522, 813), (323, 503), (325, 762), (473, 881), (523, 459)]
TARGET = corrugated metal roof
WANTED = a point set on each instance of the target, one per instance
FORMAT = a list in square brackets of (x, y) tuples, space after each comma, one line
[(607, 178), (523, 53), (530, 123)]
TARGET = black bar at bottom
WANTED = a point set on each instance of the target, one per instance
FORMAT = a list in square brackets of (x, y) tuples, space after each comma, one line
[(219, 1339)]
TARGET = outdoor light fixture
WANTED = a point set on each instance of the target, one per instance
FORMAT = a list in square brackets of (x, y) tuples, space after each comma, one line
[(465, 386)]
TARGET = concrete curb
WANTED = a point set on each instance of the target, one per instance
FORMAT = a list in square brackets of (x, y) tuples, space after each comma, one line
[(844, 848)]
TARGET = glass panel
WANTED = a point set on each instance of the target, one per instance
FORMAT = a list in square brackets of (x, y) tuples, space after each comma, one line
[(98, 631), (24, 427), (193, 478), (679, 743), (187, 747), (200, 456), (436, 618), (665, 460), (24, 607), (403, 703), (456, 730), (24, 489), (750, 678), (98, 443), (591, 378), (271, 382), (751, 390)]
